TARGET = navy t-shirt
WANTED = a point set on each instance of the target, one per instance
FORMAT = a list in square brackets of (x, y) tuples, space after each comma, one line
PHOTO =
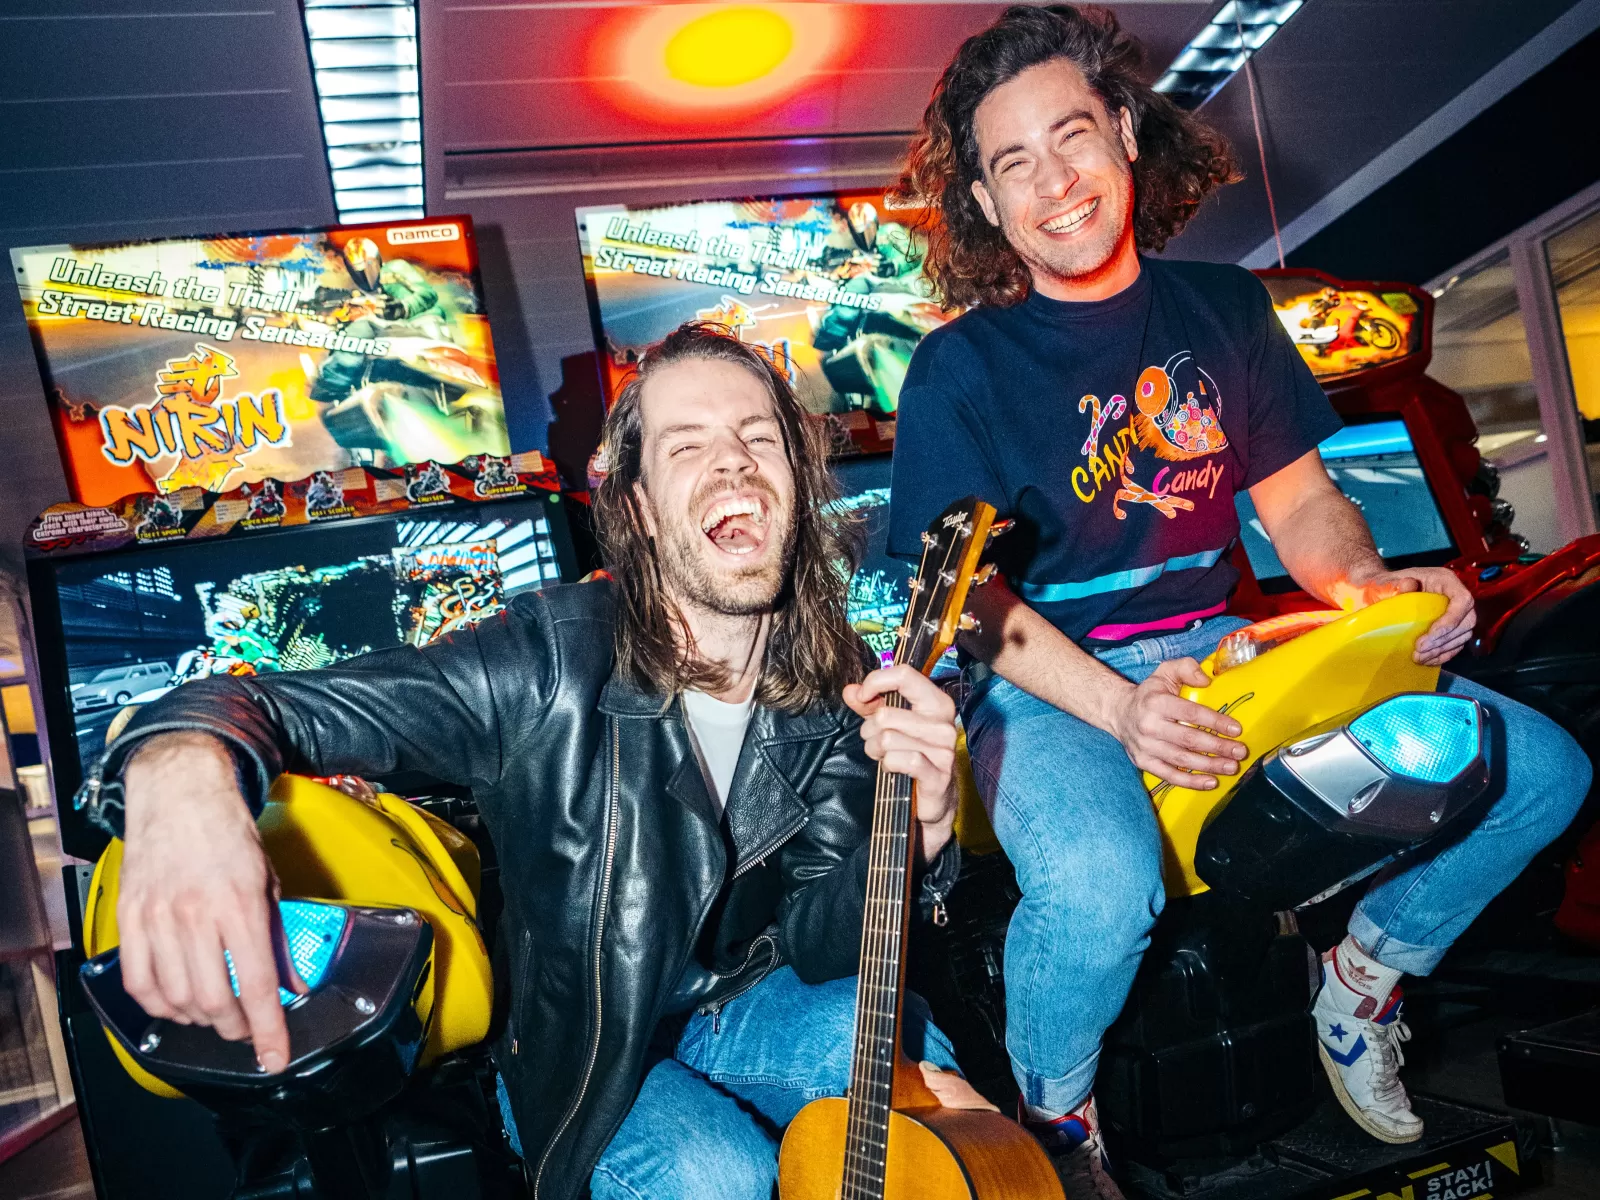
[(1115, 433)]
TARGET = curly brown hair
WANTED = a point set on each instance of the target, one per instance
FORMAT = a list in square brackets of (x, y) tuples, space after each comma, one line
[(812, 651), (1181, 159)]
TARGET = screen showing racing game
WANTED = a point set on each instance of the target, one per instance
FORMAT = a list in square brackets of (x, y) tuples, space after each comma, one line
[(828, 288), (1376, 466), (878, 590), (137, 625)]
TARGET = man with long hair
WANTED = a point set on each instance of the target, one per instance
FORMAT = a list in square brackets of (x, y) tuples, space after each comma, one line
[(1114, 403), (677, 769)]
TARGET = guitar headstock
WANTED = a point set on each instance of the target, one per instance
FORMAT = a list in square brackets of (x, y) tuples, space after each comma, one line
[(950, 549)]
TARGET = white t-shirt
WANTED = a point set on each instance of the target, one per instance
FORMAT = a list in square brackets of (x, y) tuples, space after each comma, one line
[(716, 730)]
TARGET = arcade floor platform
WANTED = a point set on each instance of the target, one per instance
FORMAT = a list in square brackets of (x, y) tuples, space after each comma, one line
[(1459, 1063)]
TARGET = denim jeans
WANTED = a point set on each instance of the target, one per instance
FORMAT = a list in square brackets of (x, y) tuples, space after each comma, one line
[(1072, 814), (713, 1105)]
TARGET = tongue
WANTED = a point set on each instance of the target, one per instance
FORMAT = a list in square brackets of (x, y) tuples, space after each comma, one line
[(735, 533)]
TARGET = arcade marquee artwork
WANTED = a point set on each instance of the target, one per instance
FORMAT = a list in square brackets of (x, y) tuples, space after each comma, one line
[(217, 362), (828, 288)]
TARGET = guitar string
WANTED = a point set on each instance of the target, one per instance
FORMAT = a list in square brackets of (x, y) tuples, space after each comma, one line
[(889, 860), (878, 1076), (876, 1089)]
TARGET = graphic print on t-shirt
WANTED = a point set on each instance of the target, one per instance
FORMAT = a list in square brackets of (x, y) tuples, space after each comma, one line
[(1180, 410), (1178, 418)]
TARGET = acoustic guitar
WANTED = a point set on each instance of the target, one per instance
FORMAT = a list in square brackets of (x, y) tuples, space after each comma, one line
[(890, 1138)]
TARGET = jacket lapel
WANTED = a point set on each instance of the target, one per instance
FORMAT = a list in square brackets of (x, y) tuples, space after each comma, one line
[(779, 756)]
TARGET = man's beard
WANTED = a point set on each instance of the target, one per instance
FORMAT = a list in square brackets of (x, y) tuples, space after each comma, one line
[(745, 592)]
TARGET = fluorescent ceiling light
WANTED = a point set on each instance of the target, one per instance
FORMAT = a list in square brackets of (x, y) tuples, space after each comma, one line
[(364, 63), (1238, 30)]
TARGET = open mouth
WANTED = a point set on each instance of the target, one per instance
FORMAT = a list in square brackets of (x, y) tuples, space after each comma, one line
[(737, 524), (1073, 218)]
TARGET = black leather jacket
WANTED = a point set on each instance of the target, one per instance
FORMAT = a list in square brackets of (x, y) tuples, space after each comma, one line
[(612, 855)]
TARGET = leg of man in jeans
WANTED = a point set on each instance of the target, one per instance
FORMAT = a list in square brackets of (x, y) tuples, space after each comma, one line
[(711, 1112), (1060, 794), (1412, 913), (1072, 814)]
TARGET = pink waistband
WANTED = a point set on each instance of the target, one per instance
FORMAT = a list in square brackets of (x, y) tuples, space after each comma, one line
[(1117, 633)]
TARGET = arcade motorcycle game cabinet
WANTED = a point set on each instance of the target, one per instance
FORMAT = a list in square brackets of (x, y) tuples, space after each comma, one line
[(1209, 1083), (296, 575)]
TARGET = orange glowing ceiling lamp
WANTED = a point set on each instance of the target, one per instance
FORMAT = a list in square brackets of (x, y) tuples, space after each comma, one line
[(687, 63)]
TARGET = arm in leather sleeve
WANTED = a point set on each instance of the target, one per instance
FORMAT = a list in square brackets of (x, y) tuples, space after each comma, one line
[(431, 709), (825, 866)]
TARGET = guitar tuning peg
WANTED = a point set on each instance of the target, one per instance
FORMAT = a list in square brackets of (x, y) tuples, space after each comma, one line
[(968, 623), (983, 574), (999, 527)]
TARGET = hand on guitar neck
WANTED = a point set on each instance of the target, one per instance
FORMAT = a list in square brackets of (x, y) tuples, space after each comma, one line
[(909, 726)]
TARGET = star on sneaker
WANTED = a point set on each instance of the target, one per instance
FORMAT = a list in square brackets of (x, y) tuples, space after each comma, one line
[(1362, 1057), (1073, 1143)]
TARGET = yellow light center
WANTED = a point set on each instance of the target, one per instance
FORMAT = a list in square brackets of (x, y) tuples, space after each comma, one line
[(729, 47)]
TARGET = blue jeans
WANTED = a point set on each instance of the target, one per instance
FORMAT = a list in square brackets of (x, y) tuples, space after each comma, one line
[(1073, 815), (712, 1108)]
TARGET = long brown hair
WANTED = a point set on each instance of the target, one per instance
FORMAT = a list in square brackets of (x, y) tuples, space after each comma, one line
[(812, 652), (1180, 160)]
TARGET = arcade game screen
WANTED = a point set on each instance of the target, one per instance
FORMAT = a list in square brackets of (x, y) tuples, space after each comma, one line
[(137, 625), (878, 591), (219, 361), (828, 288), (1376, 466)]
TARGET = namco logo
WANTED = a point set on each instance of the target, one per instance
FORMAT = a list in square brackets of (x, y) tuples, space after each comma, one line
[(423, 233)]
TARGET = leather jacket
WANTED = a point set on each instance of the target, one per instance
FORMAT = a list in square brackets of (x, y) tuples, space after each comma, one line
[(617, 872)]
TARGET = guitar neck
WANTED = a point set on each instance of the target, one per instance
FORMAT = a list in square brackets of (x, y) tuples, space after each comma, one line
[(950, 549), (881, 985)]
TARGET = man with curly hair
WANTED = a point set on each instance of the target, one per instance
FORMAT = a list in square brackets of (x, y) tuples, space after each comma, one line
[(1114, 403)]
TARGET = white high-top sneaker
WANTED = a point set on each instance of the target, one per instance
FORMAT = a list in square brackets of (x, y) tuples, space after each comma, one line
[(1073, 1143), (1362, 1057)]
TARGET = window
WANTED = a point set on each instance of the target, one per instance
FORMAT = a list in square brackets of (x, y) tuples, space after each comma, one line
[(1480, 349), (1574, 256)]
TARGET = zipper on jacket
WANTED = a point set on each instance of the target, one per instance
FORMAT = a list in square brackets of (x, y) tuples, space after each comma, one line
[(714, 1009), (599, 937), (759, 857)]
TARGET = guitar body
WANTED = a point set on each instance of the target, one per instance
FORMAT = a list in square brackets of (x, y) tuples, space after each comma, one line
[(934, 1154)]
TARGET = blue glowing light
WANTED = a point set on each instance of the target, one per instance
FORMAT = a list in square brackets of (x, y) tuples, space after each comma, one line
[(313, 931), (1431, 738)]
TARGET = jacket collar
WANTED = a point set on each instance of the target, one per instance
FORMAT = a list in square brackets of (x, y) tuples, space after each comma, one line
[(622, 698)]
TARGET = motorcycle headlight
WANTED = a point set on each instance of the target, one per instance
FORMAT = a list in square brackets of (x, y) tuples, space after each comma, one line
[(1431, 738), (312, 932), (1327, 809)]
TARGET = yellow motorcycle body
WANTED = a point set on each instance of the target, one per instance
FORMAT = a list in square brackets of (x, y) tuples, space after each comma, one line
[(383, 852), (1344, 663)]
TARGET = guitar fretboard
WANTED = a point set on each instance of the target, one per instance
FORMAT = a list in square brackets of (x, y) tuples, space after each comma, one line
[(878, 988)]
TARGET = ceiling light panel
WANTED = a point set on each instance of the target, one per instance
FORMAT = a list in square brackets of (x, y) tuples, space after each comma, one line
[(364, 63), (1240, 28)]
